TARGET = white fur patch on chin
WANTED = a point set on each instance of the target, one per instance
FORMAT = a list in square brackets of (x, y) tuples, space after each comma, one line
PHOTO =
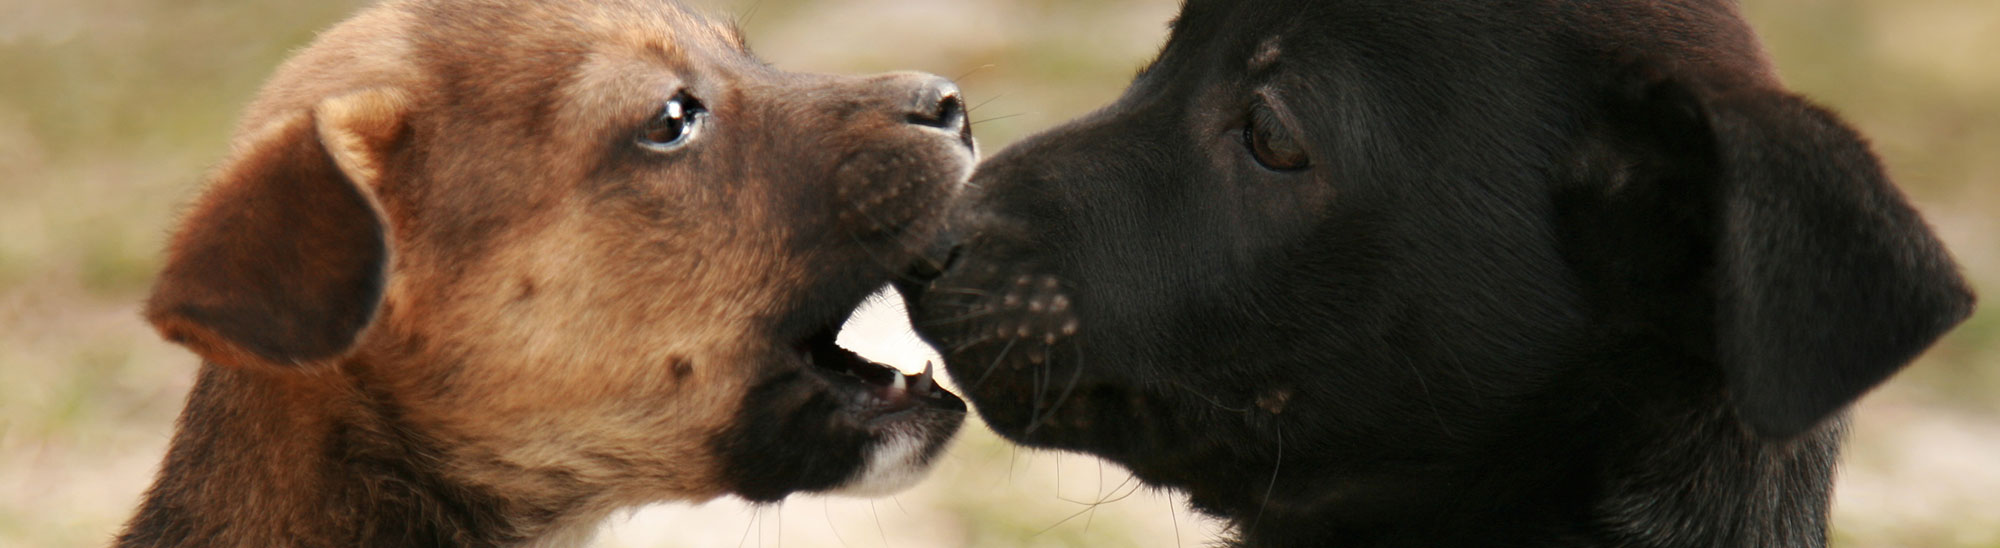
[(893, 465)]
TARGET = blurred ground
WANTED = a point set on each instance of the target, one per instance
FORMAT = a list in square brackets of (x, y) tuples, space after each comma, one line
[(111, 110)]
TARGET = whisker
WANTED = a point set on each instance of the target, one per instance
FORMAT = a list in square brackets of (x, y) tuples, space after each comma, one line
[(1211, 399), (973, 315), (1092, 507), (1100, 479), (983, 103), (974, 70), (826, 508), (897, 270), (1102, 495), (1128, 494), (1015, 455), (1273, 485), (968, 344), (995, 367), (879, 530), (744, 20), (996, 118), (1040, 378), (1073, 378), (959, 291), (755, 512)]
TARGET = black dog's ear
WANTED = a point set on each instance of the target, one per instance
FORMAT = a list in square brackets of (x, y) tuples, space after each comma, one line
[(282, 260), (1824, 281), (1828, 281)]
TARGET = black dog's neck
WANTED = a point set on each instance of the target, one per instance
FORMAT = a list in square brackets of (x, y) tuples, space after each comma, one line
[(1675, 470), (283, 458)]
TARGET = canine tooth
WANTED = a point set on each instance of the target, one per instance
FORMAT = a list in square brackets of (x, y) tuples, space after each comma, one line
[(900, 385), (924, 382)]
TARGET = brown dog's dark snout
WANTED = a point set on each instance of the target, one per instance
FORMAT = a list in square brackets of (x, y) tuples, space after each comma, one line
[(936, 102), (895, 122)]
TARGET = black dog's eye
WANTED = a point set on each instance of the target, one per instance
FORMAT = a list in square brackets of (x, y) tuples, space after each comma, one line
[(677, 122), (1271, 143)]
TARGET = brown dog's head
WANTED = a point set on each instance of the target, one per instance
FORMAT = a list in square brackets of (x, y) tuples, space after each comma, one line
[(584, 245)]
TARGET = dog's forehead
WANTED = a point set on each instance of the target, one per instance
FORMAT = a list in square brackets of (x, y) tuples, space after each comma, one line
[(556, 28), (1706, 36), (661, 26), (593, 60), (1265, 55)]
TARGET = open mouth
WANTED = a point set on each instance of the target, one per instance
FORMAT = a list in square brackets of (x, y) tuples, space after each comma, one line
[(876, 391)]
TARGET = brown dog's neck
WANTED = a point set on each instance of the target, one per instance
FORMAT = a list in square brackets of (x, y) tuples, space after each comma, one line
[(291, 458)]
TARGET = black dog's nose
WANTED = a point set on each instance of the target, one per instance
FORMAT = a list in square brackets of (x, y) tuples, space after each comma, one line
[(934, 259), (938, 104)]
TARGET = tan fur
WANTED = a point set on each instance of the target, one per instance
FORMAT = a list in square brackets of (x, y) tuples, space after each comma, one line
[(554, 352)]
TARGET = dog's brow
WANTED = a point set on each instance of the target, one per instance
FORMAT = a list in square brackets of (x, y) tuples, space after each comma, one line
[(733, 33), (674, 50), (1266, 55)]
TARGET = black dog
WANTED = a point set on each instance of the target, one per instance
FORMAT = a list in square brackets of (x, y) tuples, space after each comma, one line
[(1448, 273)]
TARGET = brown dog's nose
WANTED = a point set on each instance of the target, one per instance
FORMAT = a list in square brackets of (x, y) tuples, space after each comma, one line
[(937, 104)]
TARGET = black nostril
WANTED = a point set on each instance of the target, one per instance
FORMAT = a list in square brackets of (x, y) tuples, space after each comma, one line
[(939, 105), (935, 261)]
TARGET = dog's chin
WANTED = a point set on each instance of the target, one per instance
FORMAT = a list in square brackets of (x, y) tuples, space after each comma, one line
[(835, 422), (907, 418)]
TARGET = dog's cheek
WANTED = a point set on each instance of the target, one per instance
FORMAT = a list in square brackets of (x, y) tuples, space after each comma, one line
[(787, 438)]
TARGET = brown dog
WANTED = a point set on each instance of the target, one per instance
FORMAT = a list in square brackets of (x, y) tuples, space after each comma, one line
[(481, 271)]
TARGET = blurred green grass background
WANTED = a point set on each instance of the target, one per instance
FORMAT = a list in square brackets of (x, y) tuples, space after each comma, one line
[(111, 111)]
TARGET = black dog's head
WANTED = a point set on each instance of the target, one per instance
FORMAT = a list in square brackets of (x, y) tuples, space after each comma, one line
[(1379, 238)]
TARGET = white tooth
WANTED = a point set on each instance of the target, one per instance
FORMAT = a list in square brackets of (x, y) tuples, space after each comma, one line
[(899, 384), (924, 382)]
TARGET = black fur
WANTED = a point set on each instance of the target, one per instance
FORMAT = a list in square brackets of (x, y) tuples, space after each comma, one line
[(785, 439), (1561, 273)]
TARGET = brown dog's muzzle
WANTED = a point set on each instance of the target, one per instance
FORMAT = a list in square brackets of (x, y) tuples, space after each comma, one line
[(869, 167), (878, 183)]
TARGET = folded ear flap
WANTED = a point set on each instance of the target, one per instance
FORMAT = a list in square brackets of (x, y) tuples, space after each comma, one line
[(283, 258), (1826, 280)]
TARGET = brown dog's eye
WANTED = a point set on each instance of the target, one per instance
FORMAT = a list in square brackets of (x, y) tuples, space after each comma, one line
[(674, 125), (1271, 143)]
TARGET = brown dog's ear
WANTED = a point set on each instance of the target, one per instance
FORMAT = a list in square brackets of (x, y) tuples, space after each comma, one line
[(283, 259), (1822, 280)]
